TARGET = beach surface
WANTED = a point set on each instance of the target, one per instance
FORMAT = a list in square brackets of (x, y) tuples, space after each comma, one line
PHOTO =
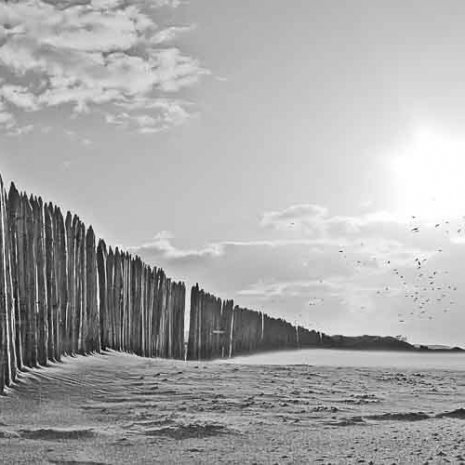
[(117, 408)]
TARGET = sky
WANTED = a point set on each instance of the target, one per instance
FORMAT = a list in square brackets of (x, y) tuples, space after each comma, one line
[(303, 158)]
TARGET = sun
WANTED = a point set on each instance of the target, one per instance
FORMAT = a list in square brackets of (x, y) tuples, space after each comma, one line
[(429, 176)]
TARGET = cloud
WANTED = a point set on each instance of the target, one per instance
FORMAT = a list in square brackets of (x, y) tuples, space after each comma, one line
[(18, 96), (309, 214), (168, 114), (94, 54), (7, 120), (287, 288), (315, 221), (162, 248), (170, 33)]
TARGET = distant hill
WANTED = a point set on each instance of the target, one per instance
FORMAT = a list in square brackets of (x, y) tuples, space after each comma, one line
[(438, 347), (366, 342)]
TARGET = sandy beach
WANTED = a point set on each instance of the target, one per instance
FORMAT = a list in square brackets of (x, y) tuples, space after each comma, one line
[(118, 408)]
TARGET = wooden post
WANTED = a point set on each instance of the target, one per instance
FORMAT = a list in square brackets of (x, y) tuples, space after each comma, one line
[(93, 316), (102, 286), (50, 282), (142, 308), (81, 300), (31, 261), (14, 211), (192, 342), (160, 279), (127, 302), (137, 305), (226, 320), (76, 288), (60, 281), (169, 320), (70, 277), (149, 316), (124, 301), (155, 311), (7, 358), (110, 299), (63, 283), (9, 286), (41, 288), (133, 319), (178, 315), (164, 296)]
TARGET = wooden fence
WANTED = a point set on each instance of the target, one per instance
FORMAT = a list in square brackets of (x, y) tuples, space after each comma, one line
[(221, 329), (60, 293), (141, 310)]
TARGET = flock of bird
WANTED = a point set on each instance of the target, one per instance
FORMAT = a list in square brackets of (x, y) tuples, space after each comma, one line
[(426, 289)]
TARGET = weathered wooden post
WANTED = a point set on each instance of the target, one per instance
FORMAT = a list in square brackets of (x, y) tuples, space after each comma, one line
[(226, 317), (169, 320), (9, 286), (179, 311), (61, 284), (56, 282), (142, 308), (192, 342), (93, 316), (133, 308), (156, 311), (7, 350), (71, 286), (102, 285), (127, 296), (161, 312), (14, 210), (149, 313), (124, 302), (31, 261), (76, 315), (115, 299), (50, 282), (81, 300), (41, 288), (110, 298), (137, 306)]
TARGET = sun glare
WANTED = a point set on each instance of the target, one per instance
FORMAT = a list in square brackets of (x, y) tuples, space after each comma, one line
[(429, 176)]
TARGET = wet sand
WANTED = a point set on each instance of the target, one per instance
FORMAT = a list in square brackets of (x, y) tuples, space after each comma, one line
[(122, 409)]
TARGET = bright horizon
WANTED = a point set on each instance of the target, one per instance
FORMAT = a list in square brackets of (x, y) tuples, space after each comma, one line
[(306, 162)]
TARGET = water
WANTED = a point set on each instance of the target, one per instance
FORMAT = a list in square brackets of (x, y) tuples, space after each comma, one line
[(357, 358)]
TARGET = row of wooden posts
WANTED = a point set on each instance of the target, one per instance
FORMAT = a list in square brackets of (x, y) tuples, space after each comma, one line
[(61, 293), (219, 329)]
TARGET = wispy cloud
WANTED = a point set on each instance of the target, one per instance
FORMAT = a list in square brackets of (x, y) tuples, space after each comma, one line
[(98, 53), (315, 221), (162, 247), (287, 288)]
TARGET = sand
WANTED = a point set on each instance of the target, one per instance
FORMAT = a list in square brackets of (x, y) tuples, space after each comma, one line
[(122, 409)]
